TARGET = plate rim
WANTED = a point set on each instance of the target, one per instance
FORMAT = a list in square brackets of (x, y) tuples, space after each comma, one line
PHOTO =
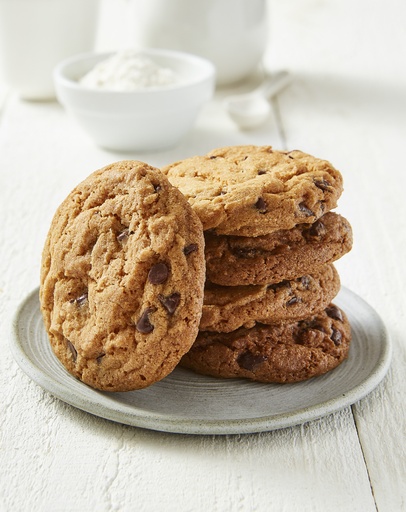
[(137, 417)]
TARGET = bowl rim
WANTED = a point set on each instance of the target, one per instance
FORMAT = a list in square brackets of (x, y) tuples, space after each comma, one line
[(208, 71)]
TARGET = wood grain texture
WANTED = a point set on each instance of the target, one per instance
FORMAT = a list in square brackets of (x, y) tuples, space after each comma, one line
[(340, 107)]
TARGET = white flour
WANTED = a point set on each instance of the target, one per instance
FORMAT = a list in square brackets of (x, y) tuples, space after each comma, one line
[(128, 70)]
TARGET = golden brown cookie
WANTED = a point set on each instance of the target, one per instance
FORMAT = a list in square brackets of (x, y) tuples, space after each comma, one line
[(254, 190), (287, 352), (285, 254), (122, 278), (226, 308)]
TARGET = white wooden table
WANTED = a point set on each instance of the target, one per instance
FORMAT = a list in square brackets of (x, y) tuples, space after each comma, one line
[(346, 104)]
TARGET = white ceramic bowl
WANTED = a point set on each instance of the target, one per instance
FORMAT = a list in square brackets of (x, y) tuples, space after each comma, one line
[(142, 120)]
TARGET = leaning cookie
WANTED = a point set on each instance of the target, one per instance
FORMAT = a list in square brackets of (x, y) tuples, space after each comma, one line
[(122, 278), (285, 254), (254, 190), (289, 352), (226, 308)]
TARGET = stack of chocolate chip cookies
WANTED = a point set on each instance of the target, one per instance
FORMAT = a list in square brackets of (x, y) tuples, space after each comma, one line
[(221, 263), (270, 243)]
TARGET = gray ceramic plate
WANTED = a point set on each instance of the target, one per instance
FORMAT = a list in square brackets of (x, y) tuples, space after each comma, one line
[(188, 403)]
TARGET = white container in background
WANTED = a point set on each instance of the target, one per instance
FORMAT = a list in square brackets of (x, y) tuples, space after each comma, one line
[(230, 33), (148, 118), (37, 34)]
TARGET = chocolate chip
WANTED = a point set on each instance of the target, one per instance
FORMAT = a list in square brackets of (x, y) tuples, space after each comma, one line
[(170, 302), (305, 280), (293, 300), (261, 172), (212, 157), (317, 229), (334, 312), (144, 324), (123, 235), (261, 205), (73, 350), (304, 209), (336, 337), (79, 301), (189, 248), (250, 361), (158, 274), (99, 358), (157, 188), (322, 184)]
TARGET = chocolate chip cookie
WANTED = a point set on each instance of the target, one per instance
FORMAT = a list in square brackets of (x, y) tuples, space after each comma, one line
[(287, 352), (122, 278), (226, 308), (285, 254), (254, 190)]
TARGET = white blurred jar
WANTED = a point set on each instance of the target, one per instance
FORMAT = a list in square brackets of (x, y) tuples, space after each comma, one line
[(230, 33), (36, 34)]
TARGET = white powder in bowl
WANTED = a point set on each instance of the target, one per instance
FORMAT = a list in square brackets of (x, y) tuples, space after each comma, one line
[(128, 70)]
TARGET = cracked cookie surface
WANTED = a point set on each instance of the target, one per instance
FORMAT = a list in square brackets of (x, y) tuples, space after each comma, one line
[(254, 190), (286, 352), (122, 278)]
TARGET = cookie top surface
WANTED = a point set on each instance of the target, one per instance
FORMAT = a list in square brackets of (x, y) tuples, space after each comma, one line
[(285, 352), (226, 308), (254, 190), (122, 278), (284, 254)]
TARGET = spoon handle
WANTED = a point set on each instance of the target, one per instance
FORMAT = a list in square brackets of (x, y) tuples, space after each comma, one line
[(274, 84)]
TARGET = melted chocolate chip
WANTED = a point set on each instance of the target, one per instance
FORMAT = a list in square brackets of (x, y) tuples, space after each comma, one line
[(99, 358), (317, 229), (158, 274), (293, 300), (79, 301), (144, 324), (72, 350), (322, 184), (170, 302), (260, 205), (250, 361), (336, 337), (334, 312), (189, 248), (304, 209), (123, 235), (318, 327), (305, 280)]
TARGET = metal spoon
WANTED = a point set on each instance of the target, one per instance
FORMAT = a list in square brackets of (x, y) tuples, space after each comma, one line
[(252, 109)]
